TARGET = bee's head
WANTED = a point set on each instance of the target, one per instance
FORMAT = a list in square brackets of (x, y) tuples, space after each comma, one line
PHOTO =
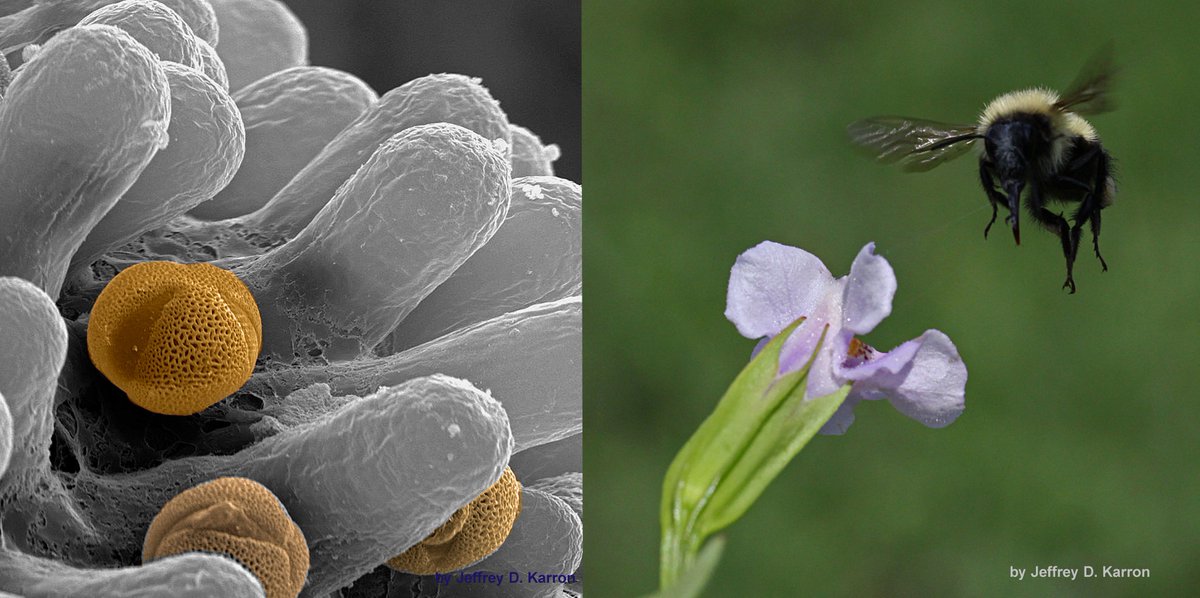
[(1010, 145), (1014, 145)]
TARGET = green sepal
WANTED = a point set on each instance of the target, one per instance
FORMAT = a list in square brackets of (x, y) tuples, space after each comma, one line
[(693, 581), (758, 426), (787, 431)]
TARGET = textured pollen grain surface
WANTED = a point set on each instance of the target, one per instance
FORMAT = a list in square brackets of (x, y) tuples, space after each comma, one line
[(238, 517), (175, 337), (488, 520)]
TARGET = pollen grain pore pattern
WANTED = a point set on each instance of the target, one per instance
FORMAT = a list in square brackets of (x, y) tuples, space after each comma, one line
[(237, 517), (470, 535), (176, 338)]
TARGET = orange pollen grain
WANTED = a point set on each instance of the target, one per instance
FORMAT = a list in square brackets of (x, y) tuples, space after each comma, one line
[(176, 338), (237, 517), (471, 534)]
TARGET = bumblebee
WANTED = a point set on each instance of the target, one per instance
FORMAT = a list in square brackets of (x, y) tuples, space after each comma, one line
[(1034, 141)]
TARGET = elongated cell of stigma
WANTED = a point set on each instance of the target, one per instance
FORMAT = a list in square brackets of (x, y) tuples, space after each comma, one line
[(81, 121), (39, 21), (37, 511), (6, 434), (549, 459), (471, 534), (289, 117), (155, 26), (191, 575), (441, 98), (531, 360), (237, 517), (258, 37), (206, 147), (535, 257), (180, 31), (5, 77), (546, 541), (175, 337), (530, 157), (426, 200), (566, 486), (8, 7), (30, 357), (211, 65), (420, 450)]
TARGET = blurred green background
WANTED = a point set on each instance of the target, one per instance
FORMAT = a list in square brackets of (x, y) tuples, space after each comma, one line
[(710, 126)]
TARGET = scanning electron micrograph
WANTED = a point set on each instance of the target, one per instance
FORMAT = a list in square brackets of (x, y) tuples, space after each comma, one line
[(269, 332)]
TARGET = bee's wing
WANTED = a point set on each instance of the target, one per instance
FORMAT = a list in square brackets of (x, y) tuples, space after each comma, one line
[(1089, 93), (918, 145)]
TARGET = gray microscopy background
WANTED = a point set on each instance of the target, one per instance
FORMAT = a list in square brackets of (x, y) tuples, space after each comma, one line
[(527, 52)]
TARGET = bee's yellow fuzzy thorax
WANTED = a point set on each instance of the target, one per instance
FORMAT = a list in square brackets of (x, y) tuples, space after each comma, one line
[(1036, 101)]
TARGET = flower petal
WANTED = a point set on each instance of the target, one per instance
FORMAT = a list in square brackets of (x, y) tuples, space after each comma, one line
[(842, 418), (771, 285), (888, 362), (823, 378), (870, 287), (928, 386), (798, 348), (759, 347)]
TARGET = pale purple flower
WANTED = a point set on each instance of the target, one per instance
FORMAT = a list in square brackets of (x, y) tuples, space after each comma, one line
[(773, 285)]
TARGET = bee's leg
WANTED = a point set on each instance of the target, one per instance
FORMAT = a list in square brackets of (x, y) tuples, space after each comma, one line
[(1093, 202), (1067, 181), (1070, 242), (992, 221), (1055, 223), (1095, 221), (1063, 179), (1100, 192), (994, 197), (1013, 189), (1084, 158)]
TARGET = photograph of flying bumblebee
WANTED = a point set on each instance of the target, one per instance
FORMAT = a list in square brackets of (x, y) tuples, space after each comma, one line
[(1034, 141), (717, 145)]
